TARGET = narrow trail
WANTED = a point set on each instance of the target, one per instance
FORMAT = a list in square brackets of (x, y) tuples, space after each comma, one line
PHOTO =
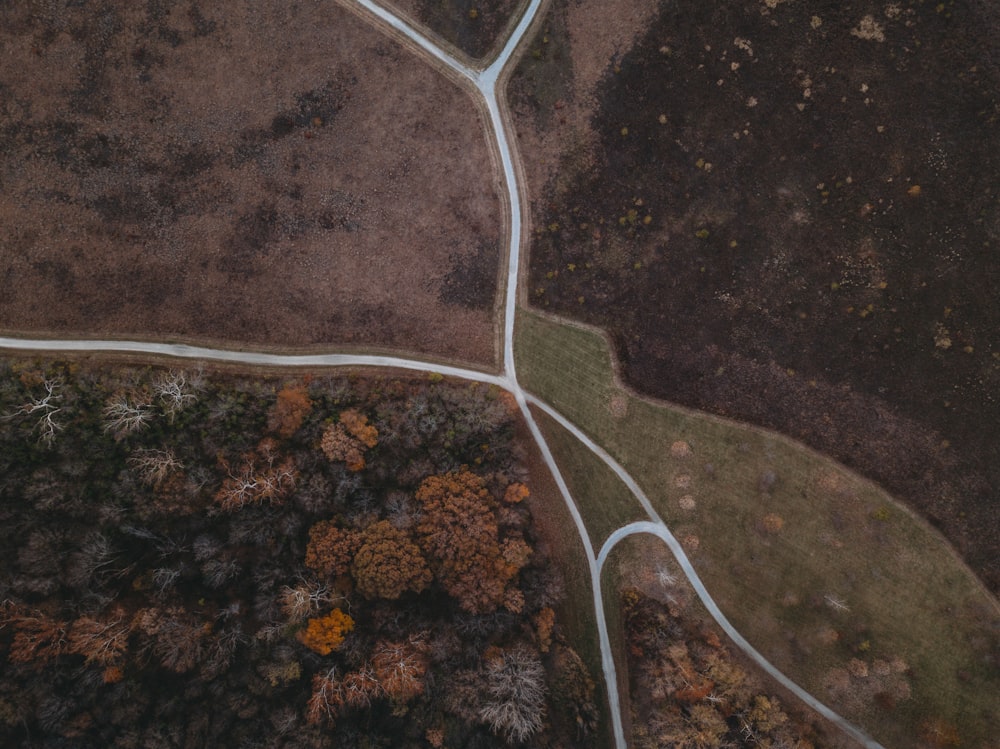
[(185, 351), (658, 529), (488, 82)]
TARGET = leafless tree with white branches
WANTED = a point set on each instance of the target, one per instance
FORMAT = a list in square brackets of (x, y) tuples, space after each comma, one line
[(304, 599), (125, 415), (361, 687), (176, 391), (327, 698), (154, 466), (515, 704), (45, 408), (836, 603)]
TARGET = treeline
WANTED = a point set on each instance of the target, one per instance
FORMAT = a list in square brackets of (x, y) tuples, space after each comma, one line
[(193, 560)]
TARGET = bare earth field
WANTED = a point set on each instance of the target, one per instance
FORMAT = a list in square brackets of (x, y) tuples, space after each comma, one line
[(471, 26), (787, 213), (256, 173)]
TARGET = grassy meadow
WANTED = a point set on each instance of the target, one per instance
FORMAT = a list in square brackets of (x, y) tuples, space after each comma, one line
[(840, 586)]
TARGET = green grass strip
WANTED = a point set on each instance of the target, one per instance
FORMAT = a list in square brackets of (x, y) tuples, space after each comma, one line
[(839, 585), (604, 501)]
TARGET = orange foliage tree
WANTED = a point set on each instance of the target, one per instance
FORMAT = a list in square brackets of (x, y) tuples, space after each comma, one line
[(459, 534), (37, 638), (289, 411), (325, 634), (347, 440), (331, 549), (388, 563), (516, 493), (358, 427), (545, 621)]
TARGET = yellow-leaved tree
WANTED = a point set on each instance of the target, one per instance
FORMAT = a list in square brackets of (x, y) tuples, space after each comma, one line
[(325, 634)]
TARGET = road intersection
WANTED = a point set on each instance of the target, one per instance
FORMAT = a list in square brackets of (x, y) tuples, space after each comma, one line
[(488, 82)]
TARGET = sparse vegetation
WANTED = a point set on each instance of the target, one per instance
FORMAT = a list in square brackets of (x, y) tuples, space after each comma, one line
[(473, 28), (821, 256), (143, 199)]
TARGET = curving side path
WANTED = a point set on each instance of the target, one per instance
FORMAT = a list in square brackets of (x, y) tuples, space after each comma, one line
[(660, 530), (656, 527), (486, 81)]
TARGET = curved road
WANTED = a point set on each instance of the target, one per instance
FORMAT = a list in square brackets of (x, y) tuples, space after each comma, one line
[(656, 527), (487, 81), (659, 529)]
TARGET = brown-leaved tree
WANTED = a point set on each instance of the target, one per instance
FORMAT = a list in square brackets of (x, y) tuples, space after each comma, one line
[(388, 563), (347, 440), (289, 411), (331, 549), (460, 535)]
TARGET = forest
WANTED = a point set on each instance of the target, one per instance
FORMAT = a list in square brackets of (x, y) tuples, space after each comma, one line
[(194, 558)]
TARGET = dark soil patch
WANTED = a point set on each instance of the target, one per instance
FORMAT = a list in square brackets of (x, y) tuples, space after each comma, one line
[(792, 218), (472, 280), (474, 26)]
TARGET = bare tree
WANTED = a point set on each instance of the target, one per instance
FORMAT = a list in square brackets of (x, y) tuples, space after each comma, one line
[(176, 391), (836, 603), (96, 558), (222, 649), (304, 599), (125, 415), (285, 720), (260, 477), (154, 466), (665, 577), (361, 687), (327, 697), (45, 408), (164, 578), (515, 686), (217, 572)]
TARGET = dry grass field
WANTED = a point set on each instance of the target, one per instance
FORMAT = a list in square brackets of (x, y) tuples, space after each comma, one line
[(256, 173), (472, 28)]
